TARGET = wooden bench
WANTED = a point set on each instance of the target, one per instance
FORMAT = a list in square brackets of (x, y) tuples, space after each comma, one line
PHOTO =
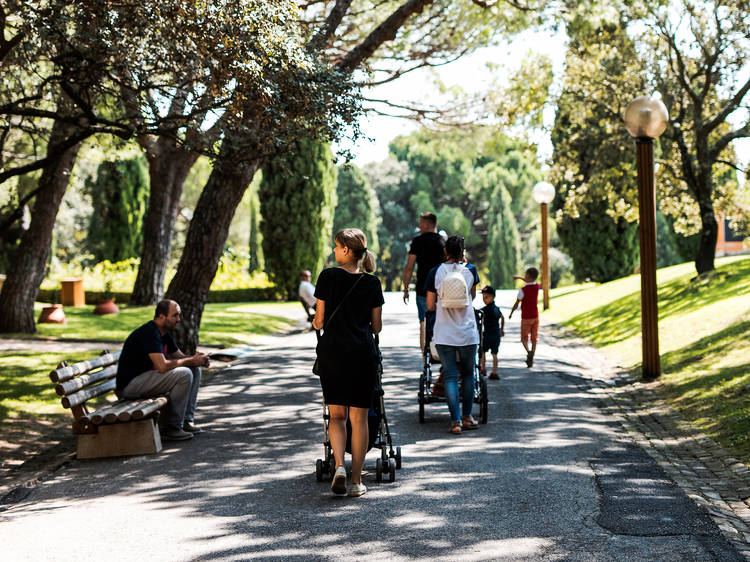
[(117, 428)]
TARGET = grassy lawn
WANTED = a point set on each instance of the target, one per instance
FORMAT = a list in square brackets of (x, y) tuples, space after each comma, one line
[(28, 401), (223, 324), (704, 340)]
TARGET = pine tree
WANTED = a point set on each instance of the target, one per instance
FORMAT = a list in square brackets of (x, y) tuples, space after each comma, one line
[(297, 200), (119, 197)]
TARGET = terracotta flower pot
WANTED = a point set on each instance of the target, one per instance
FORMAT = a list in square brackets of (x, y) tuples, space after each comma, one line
[(52, 314), (106, 306)]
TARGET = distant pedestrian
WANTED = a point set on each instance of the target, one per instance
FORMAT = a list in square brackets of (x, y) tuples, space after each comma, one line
[(451, 288), (349, 311), (528, 297), (426, 252), (306, 291), (493, 323)]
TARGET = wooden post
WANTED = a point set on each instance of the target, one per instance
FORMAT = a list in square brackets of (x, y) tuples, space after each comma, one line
[(647, 238), (545, 257)]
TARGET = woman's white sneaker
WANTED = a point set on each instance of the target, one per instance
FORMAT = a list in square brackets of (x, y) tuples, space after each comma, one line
[(338, 486), (357, 489)]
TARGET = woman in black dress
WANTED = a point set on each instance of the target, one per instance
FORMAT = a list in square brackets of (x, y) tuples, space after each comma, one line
[(348, 310)]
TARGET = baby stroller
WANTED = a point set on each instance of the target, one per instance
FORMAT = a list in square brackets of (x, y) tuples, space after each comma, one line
[(379, 436), (427, 394)]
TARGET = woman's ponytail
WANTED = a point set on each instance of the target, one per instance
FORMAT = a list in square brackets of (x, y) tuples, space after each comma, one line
[(368, 261)]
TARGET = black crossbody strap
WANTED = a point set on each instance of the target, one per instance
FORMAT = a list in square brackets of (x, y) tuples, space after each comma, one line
[(317, 332)]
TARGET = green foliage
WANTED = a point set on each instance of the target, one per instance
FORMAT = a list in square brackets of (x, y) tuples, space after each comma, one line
[(454, 174), (232, 273), (356, 205), (504, 241), (396, 228), (593, 160), (297, 197), (602, 248), (119, 197)]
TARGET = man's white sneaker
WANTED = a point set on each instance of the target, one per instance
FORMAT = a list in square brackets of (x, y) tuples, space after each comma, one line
[(357, 489), (338, 486)]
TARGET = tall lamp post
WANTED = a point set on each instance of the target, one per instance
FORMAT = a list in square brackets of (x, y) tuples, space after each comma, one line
[(645, 119), (543, 194)]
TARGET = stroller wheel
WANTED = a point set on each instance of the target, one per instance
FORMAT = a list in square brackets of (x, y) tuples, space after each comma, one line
[(391, 470), (319, 470), (379, 470), (398, 457)]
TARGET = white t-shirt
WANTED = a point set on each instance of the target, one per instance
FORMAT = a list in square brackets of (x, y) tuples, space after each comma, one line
[(455, 326), (307, 293)]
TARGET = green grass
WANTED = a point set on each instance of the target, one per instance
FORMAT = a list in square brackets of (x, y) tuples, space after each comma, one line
[(223, 324), (704, 340)]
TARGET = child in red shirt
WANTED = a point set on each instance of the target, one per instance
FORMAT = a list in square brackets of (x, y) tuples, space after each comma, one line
[(527, 298)]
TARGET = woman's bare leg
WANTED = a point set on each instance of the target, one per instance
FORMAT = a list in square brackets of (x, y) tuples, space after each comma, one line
[(360, 436), (337, 432)]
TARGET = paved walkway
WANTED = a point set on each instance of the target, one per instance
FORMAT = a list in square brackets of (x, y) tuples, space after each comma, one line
[(555, 475)]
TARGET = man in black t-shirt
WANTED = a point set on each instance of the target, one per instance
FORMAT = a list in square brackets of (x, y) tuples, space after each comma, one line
[(151, 365), (426, 252)]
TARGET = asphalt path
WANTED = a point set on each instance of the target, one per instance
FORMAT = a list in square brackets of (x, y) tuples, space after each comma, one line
[(548, 478)]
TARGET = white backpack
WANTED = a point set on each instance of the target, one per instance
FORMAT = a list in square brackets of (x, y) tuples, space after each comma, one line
[(453, 292)]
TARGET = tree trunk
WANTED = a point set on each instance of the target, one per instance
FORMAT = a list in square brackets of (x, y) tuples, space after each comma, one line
[(203, 247), (28, 268), (704, 260), (169, 166)]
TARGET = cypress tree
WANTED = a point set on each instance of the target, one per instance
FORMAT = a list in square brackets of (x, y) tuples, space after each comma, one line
[(297, 200), (504, 241), (119, 196), (356, 205)]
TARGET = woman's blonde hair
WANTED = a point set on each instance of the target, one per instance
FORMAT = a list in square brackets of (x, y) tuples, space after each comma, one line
[(355, 240)]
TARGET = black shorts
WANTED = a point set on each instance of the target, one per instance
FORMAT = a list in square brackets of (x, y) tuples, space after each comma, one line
[(490, 344)]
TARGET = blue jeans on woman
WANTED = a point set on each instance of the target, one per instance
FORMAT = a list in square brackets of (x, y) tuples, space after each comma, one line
[(467, 355)]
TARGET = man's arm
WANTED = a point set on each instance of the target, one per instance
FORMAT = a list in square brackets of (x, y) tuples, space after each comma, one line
[(177, 359), (408, 270)]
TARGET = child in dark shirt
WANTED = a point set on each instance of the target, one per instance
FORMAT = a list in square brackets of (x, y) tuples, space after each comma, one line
[(494, 327)]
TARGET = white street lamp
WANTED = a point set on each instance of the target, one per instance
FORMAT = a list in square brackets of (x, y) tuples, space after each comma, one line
[(543, 194)]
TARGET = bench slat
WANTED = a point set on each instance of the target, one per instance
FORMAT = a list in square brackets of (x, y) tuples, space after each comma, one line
[(66, 373), (93, 391), (76, 384), (147, 409), (125, 410)]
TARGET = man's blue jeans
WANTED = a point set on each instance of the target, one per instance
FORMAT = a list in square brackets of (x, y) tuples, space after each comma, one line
[(467, 355)]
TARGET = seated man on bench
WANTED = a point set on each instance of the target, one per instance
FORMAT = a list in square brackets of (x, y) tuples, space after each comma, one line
[(151, 364), (307, 294)]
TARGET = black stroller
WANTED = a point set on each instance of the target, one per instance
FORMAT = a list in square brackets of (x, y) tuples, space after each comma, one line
[(379, 436), (427, 394)]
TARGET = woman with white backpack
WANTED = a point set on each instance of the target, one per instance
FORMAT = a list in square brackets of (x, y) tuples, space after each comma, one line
[(451, 288)]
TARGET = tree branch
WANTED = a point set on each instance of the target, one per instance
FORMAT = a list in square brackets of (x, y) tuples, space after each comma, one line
[(724, 141), (326, 32), (386, 31), (52, 154), (733, 103)]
